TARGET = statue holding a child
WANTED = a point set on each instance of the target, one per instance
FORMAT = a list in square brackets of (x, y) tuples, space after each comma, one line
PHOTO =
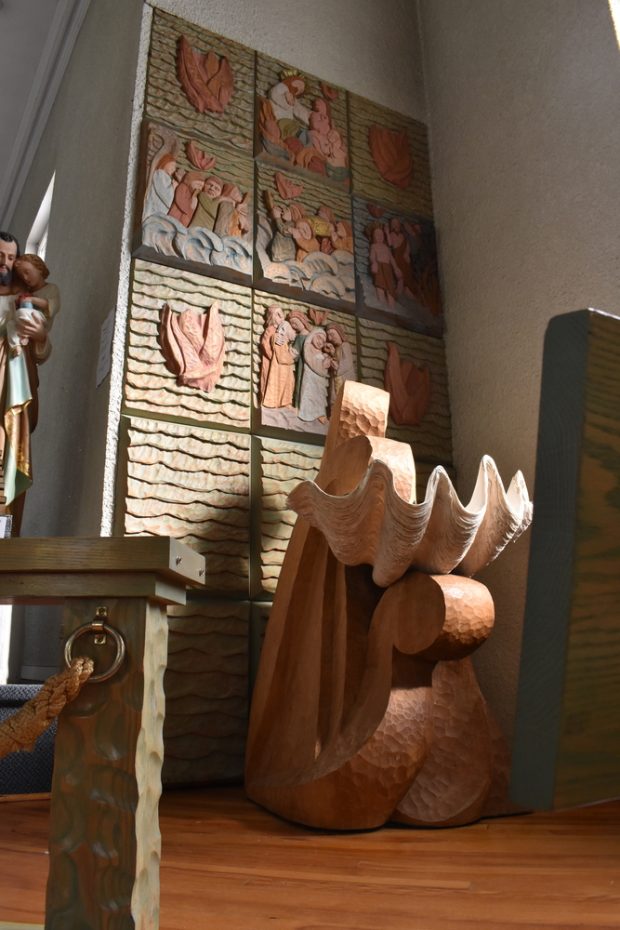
[(28, 305)]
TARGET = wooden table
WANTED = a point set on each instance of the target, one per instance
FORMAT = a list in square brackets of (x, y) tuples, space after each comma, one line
[(104, 833)]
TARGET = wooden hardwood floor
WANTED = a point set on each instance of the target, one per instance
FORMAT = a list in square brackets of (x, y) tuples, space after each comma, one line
[(228, 865)]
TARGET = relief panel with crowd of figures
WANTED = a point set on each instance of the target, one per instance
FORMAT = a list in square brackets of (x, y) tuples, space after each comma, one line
[(301, 122), (194, 206), (302, 355)]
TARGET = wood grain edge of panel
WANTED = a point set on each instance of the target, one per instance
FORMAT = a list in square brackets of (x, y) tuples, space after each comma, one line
[(551, 563)]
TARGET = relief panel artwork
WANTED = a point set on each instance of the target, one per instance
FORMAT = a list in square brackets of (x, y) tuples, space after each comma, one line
[(389, 157), (194, 206), (301, 356), (192, 484), (396, 266), (206, 685), (301, 121), (200, 82), (188, 353), (282, 466), (304, 237), (412, 368)]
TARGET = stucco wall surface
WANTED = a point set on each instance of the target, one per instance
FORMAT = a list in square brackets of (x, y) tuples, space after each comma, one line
[(367, 47), (85, 142), (525, 134)]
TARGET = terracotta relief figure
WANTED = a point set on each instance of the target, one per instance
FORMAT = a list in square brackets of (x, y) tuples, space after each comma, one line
[(161, 186), (28, 305), (386, 274), (277, 372), (206, 78), (315, 382), (391, 154), (193, 345), (409, 386)]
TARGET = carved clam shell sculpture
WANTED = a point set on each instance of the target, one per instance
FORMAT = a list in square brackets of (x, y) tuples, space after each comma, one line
[(373, 524), (366, 707)]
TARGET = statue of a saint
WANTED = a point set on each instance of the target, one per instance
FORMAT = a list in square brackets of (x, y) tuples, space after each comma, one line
[(28, 305)]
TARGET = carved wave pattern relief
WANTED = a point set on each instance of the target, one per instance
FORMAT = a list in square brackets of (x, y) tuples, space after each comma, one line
[(283, 466), (432, 438), (192, 484), (149, 385), (168, 236), (166, 99), (206, 686)]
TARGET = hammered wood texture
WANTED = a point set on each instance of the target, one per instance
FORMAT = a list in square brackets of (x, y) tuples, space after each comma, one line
[(206, 686), (362, 685), (166, 100), (282, 466), (432, 439), (107, 782), (149, 386), (192, 484)]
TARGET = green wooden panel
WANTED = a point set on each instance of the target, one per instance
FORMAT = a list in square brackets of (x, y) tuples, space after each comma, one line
[(567, 738)]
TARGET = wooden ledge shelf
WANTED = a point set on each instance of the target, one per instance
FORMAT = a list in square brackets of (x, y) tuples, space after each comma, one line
[(105, 842)]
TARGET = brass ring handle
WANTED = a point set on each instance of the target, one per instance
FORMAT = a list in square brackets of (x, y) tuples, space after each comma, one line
[(98, 628)]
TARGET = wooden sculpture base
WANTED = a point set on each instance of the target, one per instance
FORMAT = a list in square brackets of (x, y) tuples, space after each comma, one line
[(366, 706)]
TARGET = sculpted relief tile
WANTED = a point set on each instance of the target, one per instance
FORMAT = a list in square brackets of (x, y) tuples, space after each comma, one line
[(192, 484), (389, 157), (188, 352), (194, 206), (301, 122), (301, 356), (200, 82)]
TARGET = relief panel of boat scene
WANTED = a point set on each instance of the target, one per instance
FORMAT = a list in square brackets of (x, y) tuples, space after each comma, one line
[(396, 266), (302, 355), (194, 206), (200, 82), (389, 157), (304, 237), (301, 122)]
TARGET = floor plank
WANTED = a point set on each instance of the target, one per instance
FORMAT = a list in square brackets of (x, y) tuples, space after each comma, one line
[(227, 865)]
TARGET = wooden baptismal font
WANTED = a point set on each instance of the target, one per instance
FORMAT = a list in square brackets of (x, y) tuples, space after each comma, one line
[(366, 707)]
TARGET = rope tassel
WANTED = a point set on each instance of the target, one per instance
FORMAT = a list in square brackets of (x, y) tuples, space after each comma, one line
[(21, 731)]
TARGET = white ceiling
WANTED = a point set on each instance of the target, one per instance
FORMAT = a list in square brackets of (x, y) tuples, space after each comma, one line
[(36, 40)]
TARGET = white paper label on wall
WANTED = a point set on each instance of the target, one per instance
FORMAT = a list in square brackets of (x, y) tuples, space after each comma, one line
[(104, 361)]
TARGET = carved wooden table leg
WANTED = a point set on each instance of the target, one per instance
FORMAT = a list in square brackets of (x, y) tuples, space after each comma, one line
[(104, 834)]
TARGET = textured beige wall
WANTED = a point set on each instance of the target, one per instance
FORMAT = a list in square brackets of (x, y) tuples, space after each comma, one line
[(523, 99), (368, 47)]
